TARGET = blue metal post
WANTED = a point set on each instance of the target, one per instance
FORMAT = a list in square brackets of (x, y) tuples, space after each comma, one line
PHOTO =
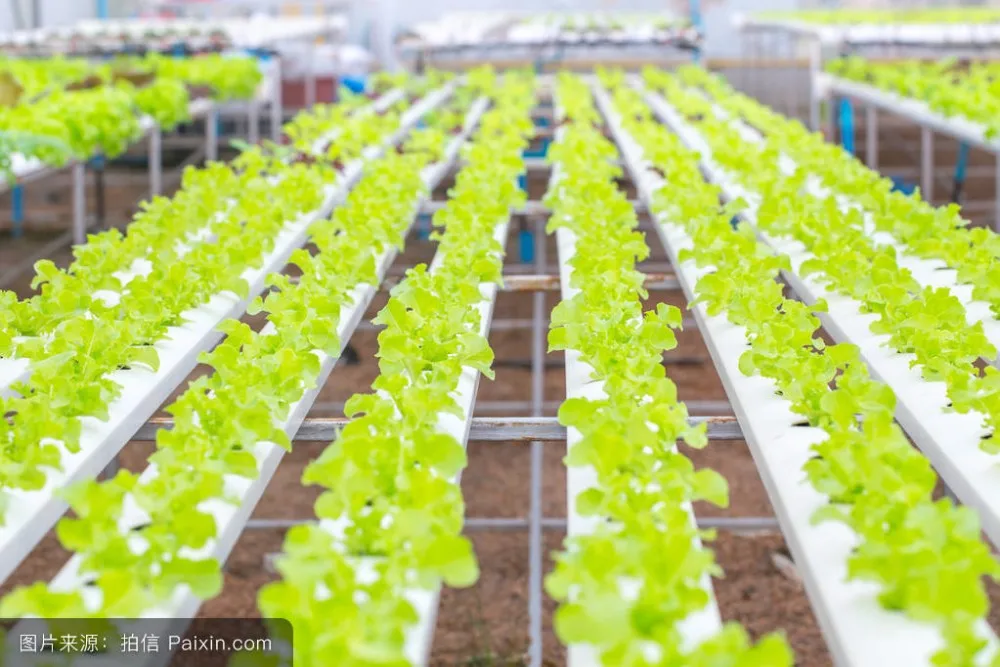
[(423, 220), (846, 117), (960, 166), (17, 212), (423, 226), (525, 237), (102, 9), (695, 7)]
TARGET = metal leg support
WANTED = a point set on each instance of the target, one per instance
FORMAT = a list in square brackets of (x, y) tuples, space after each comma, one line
[(871, 137), (156, 162), (212, 135), (79, 203), (535, 544), (846, 117), (17, 211), (253, 122), (815, 58), (961, 166), (310, 77), (277, 112), (734, 523), (996, 178), (926, 164)]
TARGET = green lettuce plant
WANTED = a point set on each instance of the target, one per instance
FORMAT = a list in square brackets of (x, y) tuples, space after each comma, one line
[(647, 540), (927, 556), (392, 509)]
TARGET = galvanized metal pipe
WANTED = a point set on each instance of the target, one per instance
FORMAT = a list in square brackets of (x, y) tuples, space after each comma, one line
[(511, 524), (694, 407), (548, 282), (531, 207), (517, 324), (996, 185), (537, 455), (156, 161), (253, 121), (483, 429), (79, 203), (212, 135), (276, 103), (927, 164), (871, 136)]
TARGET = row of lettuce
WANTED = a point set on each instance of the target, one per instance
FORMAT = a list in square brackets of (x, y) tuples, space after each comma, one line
[(647, 541), (954, 89), (391, 513), (398, 505), (930, 323), (57, 109), (390, 518), (122, 294), (927, 556)]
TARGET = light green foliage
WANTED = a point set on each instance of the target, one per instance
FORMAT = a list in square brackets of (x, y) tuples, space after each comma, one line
[(926, 556), (968, 91), (229, 78), (29, 145), (73, 108), (630, 436), (906, 16), (390, 476), (101, 119), (929, 323), (76, 341), (166, 101)]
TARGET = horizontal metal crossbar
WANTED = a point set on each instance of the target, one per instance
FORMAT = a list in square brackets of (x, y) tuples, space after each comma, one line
[(548, 282), (484, 429), (516, 324), (707, 407), (531, 207), (745, 524)]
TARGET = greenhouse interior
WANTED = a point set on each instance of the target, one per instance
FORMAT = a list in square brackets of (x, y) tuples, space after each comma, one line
[(379, 333)]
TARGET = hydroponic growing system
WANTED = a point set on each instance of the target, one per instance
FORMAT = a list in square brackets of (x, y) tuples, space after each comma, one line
[(855, 330)]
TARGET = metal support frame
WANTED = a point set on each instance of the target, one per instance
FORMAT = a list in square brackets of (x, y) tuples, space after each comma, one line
[(694, 9), (253, 121), (733, 523), (548, 282), (815, 66), (695, 407), (508, 324), (98, 164), (845, 112), (17, 210), (961, 166), (277, 110), (531, 207), (996, 184), (310, 82), (156, 161), (927, 164), (79, 203), (871, 136), (482, 429), (535, 543), (212, 135)]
